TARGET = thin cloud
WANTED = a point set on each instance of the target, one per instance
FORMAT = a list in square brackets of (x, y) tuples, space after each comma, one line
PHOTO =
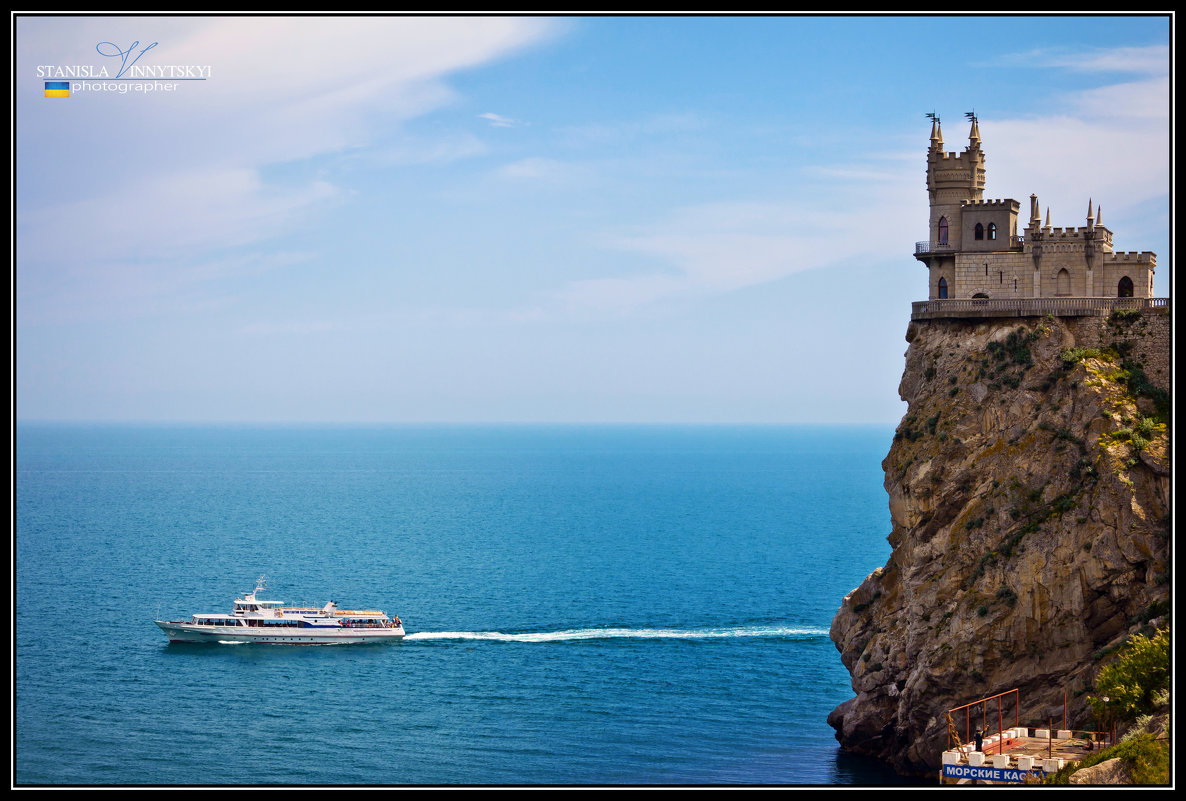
[(623, 131), (538, 168), (441, 150), (724, 247), (499, 121), (1149, 60)]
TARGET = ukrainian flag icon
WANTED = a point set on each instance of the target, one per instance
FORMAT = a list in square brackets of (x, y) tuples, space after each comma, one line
[(57, 89)]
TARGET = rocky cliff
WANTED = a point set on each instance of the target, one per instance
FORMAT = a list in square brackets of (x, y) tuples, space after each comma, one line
[(1029, 487)]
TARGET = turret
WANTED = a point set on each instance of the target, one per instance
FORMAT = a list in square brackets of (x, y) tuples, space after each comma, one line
[(953, 179)]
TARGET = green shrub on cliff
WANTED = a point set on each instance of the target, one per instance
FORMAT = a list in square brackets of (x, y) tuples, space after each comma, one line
[(1127, 686), (1146, 758)]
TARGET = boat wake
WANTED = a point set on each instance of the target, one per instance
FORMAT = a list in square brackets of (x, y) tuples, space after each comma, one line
[(789, 632)]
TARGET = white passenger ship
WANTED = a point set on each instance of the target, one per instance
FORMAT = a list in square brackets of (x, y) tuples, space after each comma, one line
[(256, 620)]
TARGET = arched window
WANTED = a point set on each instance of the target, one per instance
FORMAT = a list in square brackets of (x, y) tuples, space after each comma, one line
[(942, 287), (979, 231), (992, 231), (942, 230), (980, 296), (1124, 288), (1063, 283)]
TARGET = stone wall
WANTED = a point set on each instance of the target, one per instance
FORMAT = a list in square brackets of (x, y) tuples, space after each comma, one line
[(997, 280), (1147, 335)]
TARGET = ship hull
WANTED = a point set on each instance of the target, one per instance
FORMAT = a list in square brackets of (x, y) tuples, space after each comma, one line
[(190, 633)]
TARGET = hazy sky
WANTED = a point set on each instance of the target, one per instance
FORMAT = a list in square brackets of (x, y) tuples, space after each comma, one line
[(516, 219)]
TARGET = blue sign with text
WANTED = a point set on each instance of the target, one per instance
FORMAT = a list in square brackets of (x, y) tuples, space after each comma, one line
[(991, 774)]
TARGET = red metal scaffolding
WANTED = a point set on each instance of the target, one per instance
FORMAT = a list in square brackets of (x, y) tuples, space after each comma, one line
[(984, 718)]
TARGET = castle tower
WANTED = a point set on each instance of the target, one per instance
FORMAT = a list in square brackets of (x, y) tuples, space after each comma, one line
[(953, 179)]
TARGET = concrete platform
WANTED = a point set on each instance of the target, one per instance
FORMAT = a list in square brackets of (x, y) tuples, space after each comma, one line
[(1019, 754)]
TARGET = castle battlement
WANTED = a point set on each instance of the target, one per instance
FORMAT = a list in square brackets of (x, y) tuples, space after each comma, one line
[(1098, 232), (1134, 256), (1006, 203)]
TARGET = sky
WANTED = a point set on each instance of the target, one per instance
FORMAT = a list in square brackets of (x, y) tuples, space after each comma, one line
[(516, 219)]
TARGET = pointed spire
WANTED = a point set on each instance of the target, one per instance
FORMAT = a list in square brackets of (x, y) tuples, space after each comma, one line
[(1099, 215), (936, 131), (974, 134), (1047, 218), (1035, 212), (1090, 222)]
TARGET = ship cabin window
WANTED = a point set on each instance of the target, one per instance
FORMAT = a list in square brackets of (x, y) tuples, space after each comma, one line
[(942, 230), (1124, 288), (942, 287), (979, 231), (992, 231)]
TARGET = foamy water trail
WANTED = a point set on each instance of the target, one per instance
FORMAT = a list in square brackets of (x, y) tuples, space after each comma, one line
[(792, 632)]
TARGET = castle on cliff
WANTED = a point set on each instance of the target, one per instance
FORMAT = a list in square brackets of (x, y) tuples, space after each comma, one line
[(977, 254)]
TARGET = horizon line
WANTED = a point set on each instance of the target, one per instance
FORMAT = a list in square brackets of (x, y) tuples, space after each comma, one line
[(411, 423)]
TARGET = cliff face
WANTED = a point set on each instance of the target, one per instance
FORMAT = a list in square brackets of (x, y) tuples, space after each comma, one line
[(1029, 488)]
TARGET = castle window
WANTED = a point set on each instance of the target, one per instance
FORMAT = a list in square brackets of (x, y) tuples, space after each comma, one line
[(1124, 288), (992, 231), (942, 230), (979, 231), (942, 287), (1063, 285)]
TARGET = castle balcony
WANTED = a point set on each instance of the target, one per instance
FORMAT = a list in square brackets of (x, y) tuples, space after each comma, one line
[(932, 247), (972, 308), (925, 247)]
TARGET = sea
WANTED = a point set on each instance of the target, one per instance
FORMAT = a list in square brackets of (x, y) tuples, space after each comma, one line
[(586, 605)]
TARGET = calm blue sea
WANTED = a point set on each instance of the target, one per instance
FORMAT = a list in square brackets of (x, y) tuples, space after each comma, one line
[(592, 605)]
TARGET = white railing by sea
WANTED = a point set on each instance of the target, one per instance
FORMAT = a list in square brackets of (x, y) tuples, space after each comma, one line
[(1028, 307)]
